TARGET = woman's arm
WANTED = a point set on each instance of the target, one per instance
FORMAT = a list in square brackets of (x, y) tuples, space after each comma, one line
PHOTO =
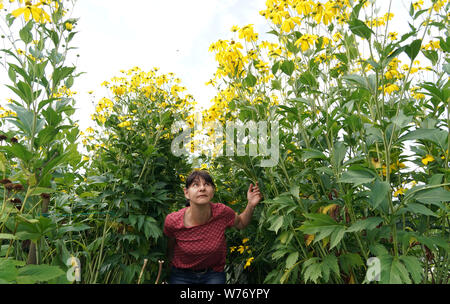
[(242, 220), (170, 246), (254, 197)]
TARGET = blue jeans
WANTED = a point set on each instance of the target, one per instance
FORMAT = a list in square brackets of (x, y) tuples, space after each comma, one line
[(186, 276)]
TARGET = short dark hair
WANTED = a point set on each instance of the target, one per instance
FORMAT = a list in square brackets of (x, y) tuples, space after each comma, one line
[(196, 174)]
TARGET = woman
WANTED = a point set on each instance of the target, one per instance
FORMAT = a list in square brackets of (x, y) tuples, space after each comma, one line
[(197, 245)]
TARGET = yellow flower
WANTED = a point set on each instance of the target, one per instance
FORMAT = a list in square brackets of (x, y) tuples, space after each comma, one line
[(337, 36), (391, 88), (400, 191), (249, 262), (124, 124), (417, 5), (119, 91), (388, 16), (427, 159), (245, 240), (393, 35), (375, 162), (437, 6), (247, 33), (306, 41), (68, 26), (289, 24), (242, 248), (33, 10)]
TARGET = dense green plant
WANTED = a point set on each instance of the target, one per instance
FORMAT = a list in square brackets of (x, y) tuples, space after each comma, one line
[(132, 182), (364, 164), (38, 138)]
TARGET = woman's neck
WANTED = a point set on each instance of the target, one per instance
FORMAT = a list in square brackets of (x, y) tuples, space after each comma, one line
[(198, 214)]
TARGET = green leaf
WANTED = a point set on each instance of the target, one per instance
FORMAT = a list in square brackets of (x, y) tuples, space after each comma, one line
[(313, 271), (356, 10), (250, 80), (437, 136), (418, 208), (61, 73), (338, 154), (313, 154), (12, 74), (19, 151), (38, 273), (412, 50), (357, 80), (308, 79), (413, 266), (432, 196), (332, 263), (379, 193), (356, 177), (8, 271), (7, 236), (25, 32), (399, 274), (368, 224), (276, 225), (288, 67), (336, 236), (291, 259), (323, 225), (348, 261), (360, 29)]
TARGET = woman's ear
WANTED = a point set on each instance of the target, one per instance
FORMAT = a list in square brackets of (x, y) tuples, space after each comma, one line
[(186, 193)]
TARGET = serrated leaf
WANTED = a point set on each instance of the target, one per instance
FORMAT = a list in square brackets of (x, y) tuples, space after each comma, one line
[(369, 224), (418, 208), (336, 237), (414, 267), (313, 272), (291, 259), (276, 225), (399, 274), (356, 177)]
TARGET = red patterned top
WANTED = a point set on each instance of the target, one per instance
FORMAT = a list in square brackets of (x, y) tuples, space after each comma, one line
[(202, 246)]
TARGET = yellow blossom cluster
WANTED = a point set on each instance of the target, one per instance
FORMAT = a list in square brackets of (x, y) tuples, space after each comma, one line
[(380, 21), (155, 92), (229, 56), (392, 72), (63, 91), (281, 12), (6, 113), (35, 10)]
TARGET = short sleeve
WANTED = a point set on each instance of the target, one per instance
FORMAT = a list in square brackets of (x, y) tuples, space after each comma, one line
[(169, 226), (229, 215)]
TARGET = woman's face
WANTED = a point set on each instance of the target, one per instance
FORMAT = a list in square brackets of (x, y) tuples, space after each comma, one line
[(199, 192)]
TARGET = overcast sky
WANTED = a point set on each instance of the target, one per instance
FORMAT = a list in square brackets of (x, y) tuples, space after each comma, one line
[(173, 35)]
